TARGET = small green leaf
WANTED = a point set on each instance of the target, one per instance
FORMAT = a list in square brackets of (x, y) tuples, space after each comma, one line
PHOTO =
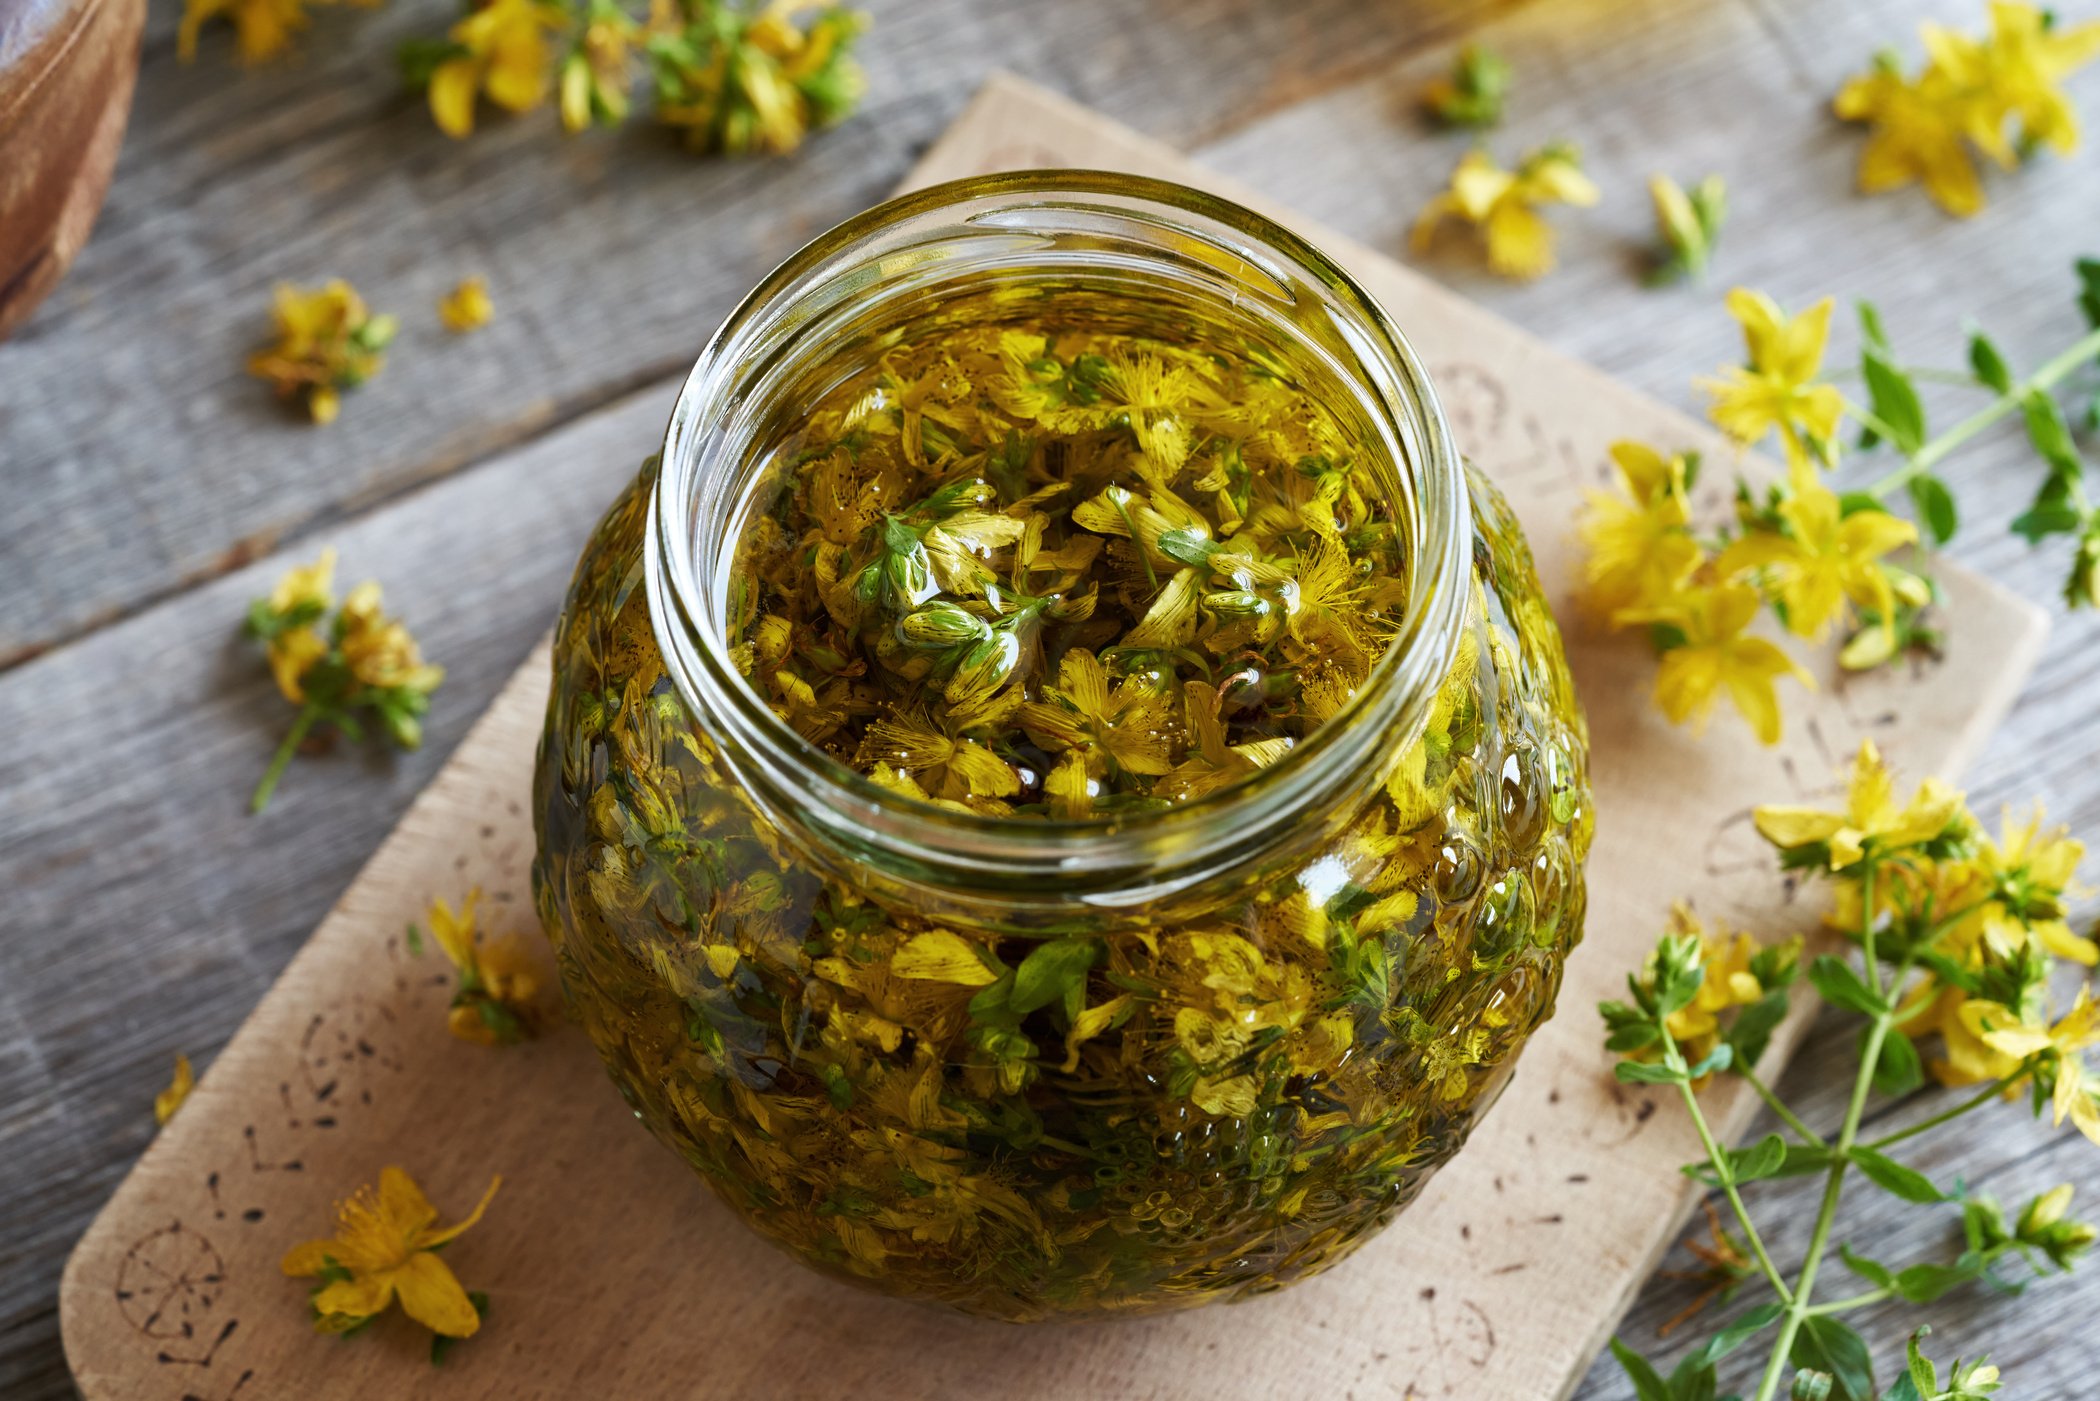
[(1892, 1176), (1049, 970), (1935, 506), (1988, 365), (2050, 435), (1637, 1072), (1718, 1059), (414, 940), (1872, 1271), (1835, 979), (1736, 1334), (1829, 1345), (1895, 401), (1871, 331), (1647, 1382), (1804, 1158), (1897, 1070), (1755, 1024), (1921, 1284), (2055, 516)]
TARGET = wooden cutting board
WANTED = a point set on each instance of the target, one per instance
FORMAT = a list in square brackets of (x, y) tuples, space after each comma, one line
[(613, 1273)]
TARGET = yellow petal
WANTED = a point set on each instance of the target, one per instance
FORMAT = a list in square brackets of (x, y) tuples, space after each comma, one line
[(1795, 826), (309, 1258), (942, 957), (431, 1295), (452, 88), (178, 1091), (356, 1298), (430, 1238)]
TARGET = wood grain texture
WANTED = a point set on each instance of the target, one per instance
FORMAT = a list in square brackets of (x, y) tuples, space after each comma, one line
[(1500, 1281), (147, 915), (140, 457)]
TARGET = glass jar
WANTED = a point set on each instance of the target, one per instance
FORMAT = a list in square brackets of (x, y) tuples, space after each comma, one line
[(1263, 1017)]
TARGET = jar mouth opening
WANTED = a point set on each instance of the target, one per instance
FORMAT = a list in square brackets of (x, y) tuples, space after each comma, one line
[(904, 247)]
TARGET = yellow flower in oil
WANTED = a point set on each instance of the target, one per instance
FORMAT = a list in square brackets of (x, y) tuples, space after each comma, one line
[(1502, 206), (177, 1094), (327, 341), (1826, 557), (1707, 655), (1778, 389), (385, 1249), (501, 51), (1641, 549), (466, 307), (498, 980)]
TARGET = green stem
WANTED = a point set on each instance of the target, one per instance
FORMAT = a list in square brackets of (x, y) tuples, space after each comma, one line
[(1982, 1097), (1867, 922), (1798, 1307), (1774, 1103), (1857, 1301), (1932, 453), (282, 759), (1718, 1156)]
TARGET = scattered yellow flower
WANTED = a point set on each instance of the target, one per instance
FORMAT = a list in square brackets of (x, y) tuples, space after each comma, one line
[(1871, 817), (500, 50), (1826, 558), (1472, 93), (1641, 548), (1688, 223), (1778, 388), (327, 341), (498, 979), (1916, 136), (176, 1094), (1714, 656), (467, 306), (1967, 92), (379, 650), (2016, 72), (291, 642), (1503, 206), (385, 1247), (262, 28)]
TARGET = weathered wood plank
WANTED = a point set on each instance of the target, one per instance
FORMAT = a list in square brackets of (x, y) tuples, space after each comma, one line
[(139, 457)]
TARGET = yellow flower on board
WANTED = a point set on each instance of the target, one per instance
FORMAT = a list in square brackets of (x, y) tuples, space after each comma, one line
[(327, 341), (1502, 206), (176, 1094), (1715, 657), (1826, 558), (385, 1247), (502, 52), (1872, 817), (1640, 542), (1777, 389), (466, 307), (497, 978), (1729, 983)]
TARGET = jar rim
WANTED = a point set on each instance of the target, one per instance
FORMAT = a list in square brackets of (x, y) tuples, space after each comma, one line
[(685, 573)]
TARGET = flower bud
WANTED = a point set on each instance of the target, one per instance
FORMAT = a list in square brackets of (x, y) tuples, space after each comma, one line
[(985, 668), (939, 626)]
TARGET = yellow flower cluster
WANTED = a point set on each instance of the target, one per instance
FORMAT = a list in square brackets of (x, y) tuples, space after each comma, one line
[(1982, 919), (1739, 972), (327, 341), (731, 76), (1969, 95), (1501, 207), (386, 1248), (1814, 559), (361, 660)]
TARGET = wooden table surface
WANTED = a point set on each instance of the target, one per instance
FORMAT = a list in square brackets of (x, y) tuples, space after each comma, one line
[(151, 488)]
